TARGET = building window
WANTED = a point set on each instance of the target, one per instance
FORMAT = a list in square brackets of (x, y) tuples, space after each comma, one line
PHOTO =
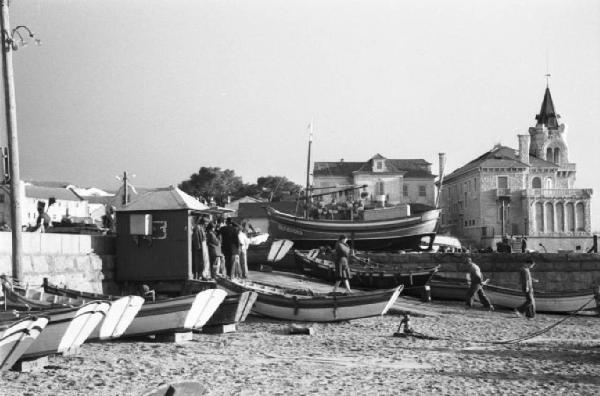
[(405, 190), (502, 181), (475, 185), (380, 188), (536, 182), (379, 165), (422, 191), (548, 183), (1, 198)]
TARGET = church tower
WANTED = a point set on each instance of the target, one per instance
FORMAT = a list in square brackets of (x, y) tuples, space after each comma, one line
[(548, 137)]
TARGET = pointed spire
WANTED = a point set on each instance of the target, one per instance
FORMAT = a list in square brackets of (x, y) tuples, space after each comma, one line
[(547, 115)]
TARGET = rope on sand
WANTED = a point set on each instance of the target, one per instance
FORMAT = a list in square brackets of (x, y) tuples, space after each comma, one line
[(410, 333)]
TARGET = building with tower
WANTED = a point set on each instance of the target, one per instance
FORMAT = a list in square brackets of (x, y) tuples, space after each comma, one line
[(529, 191)]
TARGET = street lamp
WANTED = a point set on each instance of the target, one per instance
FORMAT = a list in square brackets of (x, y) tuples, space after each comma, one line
[(15, 38), (12, 39)]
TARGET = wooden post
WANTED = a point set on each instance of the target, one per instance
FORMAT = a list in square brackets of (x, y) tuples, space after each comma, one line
[(13, 144)]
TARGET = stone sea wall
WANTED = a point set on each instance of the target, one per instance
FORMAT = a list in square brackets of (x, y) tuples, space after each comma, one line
[(83, 262), (554, 271)]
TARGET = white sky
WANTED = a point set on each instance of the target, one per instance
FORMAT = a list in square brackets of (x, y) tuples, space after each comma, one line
[(161, 88)]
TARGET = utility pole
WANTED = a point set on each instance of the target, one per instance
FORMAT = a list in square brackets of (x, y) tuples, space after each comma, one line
[(13, 144)]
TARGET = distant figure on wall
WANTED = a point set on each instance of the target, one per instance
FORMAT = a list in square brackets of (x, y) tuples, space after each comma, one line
[(524, 244), (43, 221)]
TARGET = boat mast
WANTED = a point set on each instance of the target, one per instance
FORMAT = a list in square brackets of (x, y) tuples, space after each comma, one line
[(307, 191)]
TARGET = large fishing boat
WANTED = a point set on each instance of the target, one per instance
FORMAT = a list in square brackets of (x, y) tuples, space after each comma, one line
[(386, 234)]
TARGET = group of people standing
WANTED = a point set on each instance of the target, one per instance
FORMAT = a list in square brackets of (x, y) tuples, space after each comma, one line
[(477, 282), (220, 249)]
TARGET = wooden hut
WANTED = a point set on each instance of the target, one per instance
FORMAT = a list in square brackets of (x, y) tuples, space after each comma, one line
[(154, 236)]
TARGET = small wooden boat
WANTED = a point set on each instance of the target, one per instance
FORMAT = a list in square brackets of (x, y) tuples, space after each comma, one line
[(447, 288), (17, 336), (366, 275), (306, 306), (172, 315), (118, 317), (563, 301), (67, 328), (395, 233)]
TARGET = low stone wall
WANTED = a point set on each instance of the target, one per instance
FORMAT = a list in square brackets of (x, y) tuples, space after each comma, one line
[(82, 262), (555, 271)]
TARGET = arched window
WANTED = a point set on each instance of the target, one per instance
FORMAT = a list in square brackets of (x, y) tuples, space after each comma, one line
[(580, 216), (548, 183), (556, 155), (536, 182), (549, 154)]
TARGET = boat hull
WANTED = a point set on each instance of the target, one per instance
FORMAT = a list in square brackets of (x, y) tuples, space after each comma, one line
[(67, 329), (180, 314), (557, 302), (373, 278), (276, 303), (562, 302), (16, 338), (401, 233), (233, 309)]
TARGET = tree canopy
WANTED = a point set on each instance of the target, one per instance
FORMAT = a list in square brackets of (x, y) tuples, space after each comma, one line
[(213, 183)]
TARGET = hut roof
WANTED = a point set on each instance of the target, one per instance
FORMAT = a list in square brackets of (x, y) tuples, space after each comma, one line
[(168, 198)]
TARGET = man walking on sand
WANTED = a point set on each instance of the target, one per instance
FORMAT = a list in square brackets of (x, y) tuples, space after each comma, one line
[(476, 285), (528, 307)]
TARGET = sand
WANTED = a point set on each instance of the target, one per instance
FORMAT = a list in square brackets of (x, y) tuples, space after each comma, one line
[(357, 357)]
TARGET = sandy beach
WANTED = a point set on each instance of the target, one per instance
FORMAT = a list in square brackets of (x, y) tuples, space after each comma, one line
[(357, 357)]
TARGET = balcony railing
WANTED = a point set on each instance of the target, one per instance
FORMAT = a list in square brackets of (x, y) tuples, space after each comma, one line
[(503, 193), (557, 192)]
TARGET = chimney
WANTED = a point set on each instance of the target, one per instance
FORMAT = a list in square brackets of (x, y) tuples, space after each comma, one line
[(524, 149), (442, 164)]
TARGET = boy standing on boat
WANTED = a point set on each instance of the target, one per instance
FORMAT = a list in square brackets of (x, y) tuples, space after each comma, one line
[(528, 307), (342, 270), (477, 283)]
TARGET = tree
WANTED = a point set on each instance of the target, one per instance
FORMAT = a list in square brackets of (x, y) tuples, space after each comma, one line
[(276, 188), (212, 182)]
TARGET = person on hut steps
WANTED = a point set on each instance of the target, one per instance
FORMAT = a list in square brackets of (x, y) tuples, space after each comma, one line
[(342, 270), (528, 307), (477, 283), (214, 251), (231, 247)]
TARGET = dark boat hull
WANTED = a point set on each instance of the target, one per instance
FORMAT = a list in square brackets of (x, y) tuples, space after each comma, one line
[(413, 281), (395, 234)]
